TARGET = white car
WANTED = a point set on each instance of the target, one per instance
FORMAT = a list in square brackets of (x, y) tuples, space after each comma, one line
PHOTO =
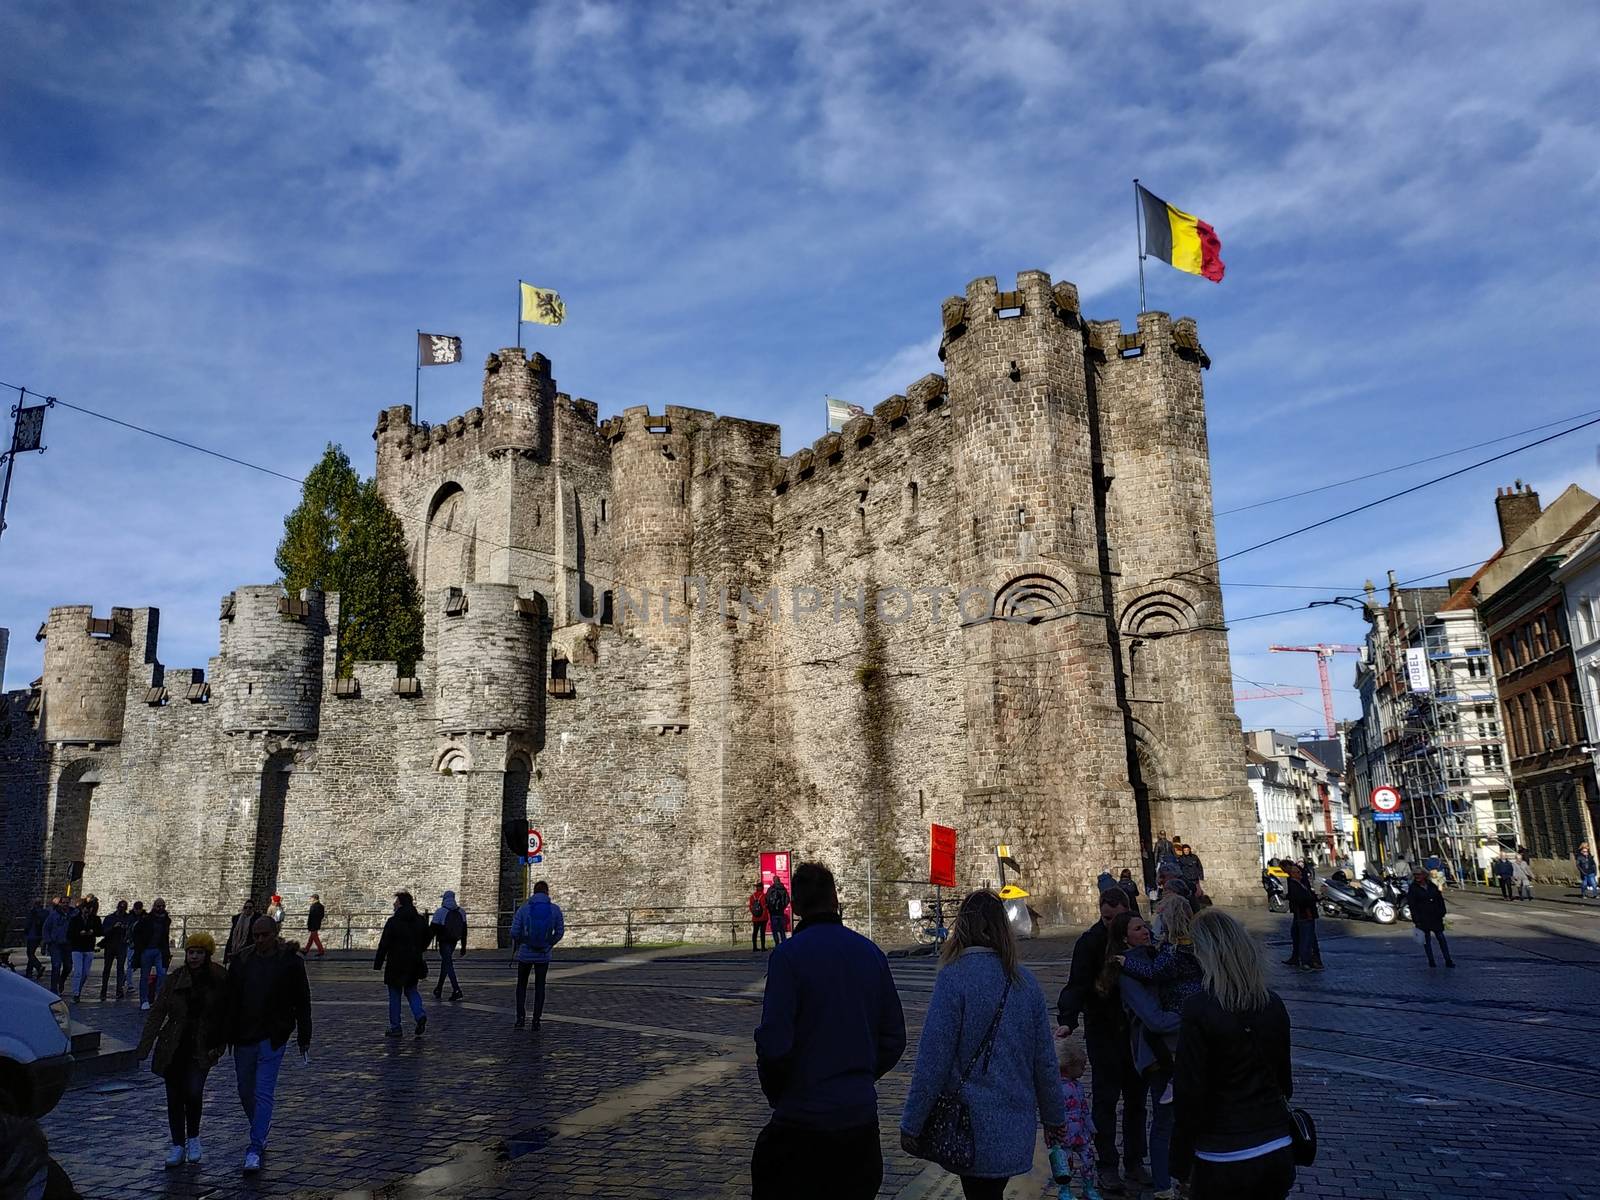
[(35, 1046)]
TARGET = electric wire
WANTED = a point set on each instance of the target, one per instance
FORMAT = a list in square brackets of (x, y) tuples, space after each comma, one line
[(1416, 462), (835, 660)]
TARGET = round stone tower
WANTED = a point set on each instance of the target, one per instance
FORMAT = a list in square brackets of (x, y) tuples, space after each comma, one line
[(271, 677), (489, 659), (651, 467), (85, 674), (518, 399)]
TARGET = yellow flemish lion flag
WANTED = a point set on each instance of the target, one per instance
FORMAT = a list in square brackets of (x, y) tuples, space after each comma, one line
[(542, 306)]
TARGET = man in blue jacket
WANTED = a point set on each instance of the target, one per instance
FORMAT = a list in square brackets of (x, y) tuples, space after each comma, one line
[(535, 930), (831, 1027)]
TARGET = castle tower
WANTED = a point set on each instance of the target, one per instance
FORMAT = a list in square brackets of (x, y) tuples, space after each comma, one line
[(518, 396), (85, 674), (1028, 536), (1167, 603), (652, 465), (271, 679), (489, 660)]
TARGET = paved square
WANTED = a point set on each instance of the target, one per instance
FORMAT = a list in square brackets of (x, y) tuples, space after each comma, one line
[(1478, 1082)]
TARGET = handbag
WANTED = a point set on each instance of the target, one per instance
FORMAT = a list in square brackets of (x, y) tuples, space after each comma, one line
[(1302, 1129), (946, 1136)]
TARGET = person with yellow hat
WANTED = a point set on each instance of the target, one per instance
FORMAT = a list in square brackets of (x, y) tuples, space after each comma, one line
[(188, 1028)]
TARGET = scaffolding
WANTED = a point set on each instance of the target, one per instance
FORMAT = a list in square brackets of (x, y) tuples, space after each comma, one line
[(1441, 729)]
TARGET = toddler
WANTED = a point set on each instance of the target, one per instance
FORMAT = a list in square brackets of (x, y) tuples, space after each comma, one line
[(1074, 1154)]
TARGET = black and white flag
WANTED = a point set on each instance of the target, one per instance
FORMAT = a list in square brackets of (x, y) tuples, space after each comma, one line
[(437, 349), (28, 434)]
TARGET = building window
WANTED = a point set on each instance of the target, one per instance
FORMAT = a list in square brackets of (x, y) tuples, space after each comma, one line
[(1493, 758), (913, 490)]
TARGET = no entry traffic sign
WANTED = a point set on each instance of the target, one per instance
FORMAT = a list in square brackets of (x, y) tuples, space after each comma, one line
[(1385, 799)]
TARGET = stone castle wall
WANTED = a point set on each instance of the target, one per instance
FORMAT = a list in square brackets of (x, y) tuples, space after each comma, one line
[(988, 603)]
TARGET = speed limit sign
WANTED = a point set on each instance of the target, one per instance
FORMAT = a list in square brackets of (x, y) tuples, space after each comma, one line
[(1385, 799), (535, 843)]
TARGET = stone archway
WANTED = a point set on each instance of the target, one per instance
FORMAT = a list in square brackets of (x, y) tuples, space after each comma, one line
[(449, 553), (272, 799), (69, 821)]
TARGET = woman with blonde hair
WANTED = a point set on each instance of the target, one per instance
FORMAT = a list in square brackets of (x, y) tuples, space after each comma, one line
[(987, 1046), (1232, 1078)]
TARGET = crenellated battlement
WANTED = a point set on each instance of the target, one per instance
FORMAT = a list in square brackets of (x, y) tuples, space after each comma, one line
[(892, 417)]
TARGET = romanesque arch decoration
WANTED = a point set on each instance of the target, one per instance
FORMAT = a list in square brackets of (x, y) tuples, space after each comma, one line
[(452, 760), (1032, 598), (1151, 760), (1157, 614)]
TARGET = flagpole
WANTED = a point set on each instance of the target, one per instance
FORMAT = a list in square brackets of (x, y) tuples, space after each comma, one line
[(1138, 234), (519, 314), (416, 391)]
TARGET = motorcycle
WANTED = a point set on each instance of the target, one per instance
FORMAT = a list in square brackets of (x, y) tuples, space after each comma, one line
[(1277, 890), (1367, 900)]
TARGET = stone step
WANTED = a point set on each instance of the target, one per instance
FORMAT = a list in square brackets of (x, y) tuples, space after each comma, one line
[(85, 1038), (110, 1056)]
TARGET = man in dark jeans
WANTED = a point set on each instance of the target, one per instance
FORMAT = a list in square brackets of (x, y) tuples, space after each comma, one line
[(778, 910), (1105, 1037), (1305, 953), (535, 929), (268, 1001), (831, 1027)]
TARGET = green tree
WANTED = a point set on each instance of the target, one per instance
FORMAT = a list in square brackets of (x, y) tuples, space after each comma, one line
[(342, 537)]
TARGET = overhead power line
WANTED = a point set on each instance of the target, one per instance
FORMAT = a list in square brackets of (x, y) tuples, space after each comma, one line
[(1416, 462)]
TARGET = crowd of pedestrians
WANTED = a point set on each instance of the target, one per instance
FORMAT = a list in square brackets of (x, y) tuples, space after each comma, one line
[(1178, 1023)]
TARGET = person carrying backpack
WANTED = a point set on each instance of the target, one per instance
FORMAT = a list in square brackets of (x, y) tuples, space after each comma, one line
[(778, 910), (449, 930), (757, 904), (535, 930)]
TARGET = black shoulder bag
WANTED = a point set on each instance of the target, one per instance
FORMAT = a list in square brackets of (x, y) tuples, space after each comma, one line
[(946, 1136), (1302, 1129)]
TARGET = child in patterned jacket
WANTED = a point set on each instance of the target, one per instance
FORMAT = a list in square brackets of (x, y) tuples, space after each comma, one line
[(1074, 1154)]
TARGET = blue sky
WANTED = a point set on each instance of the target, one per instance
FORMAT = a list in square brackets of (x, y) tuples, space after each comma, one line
[(226, 223)]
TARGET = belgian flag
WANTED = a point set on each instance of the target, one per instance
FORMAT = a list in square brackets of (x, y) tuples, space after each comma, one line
[(1180, 238)]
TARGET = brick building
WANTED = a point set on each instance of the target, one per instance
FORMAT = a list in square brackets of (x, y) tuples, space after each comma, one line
[(987, 603), (1523, 608)]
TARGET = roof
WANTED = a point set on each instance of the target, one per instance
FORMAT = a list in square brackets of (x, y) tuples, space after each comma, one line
[(1326, 751), (1462, 597), (1574, 512)]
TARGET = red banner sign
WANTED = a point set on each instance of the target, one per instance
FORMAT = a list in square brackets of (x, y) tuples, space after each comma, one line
[(775, 865), (942, 856)]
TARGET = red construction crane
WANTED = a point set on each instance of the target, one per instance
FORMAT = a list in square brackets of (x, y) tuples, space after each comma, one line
[(1324, 651), (1271, 692)]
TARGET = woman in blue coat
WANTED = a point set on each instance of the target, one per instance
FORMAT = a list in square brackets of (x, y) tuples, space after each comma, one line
[(1012, 1079)]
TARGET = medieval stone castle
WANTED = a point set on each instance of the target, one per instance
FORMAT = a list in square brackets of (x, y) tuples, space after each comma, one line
[(988, 603)]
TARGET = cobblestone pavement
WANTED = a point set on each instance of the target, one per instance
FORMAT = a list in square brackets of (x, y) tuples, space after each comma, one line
[(1424, 1083)]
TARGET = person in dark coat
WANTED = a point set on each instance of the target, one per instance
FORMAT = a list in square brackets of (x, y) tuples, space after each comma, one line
[(114, 941), (1306, 953), (54, 935), (756, 903), (1504, 875), (241, 933), (1427, 914), (831, 1027), (778, 910), (32, 936), (1105, 1037), (268, 1001), (315, 915), (1126, 882), (402, 960), (83, 934), (188, 1029), (1232, 1079)]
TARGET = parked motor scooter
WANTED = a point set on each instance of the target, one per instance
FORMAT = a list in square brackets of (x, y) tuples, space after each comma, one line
[(1273, 880), (1368, 900)]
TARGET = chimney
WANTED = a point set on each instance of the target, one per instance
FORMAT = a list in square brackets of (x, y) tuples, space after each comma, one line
[(1517, 507)]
